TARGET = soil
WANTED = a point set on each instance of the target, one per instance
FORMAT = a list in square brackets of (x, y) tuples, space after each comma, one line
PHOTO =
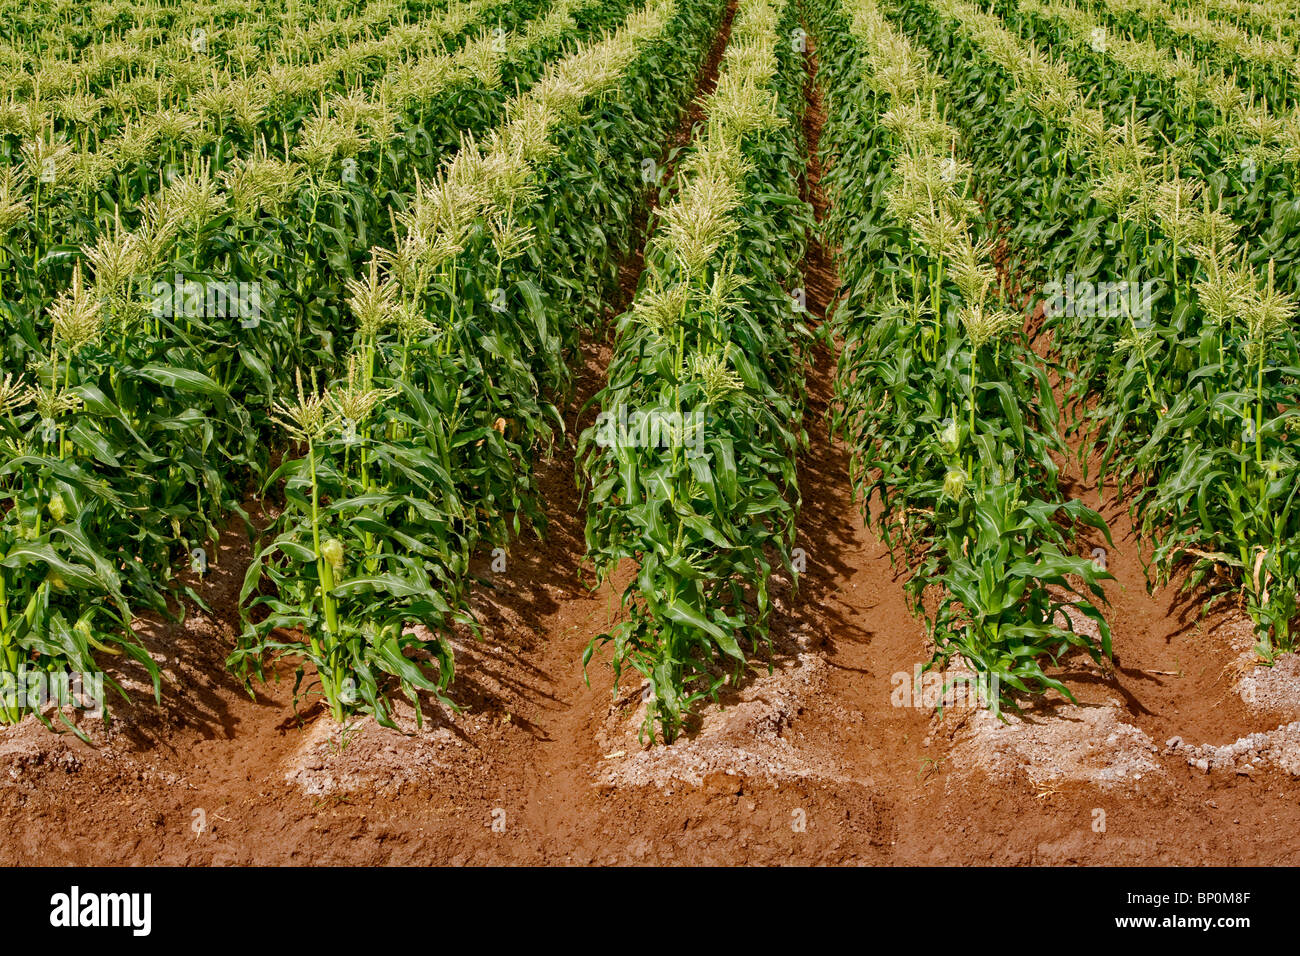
[(824, 757)]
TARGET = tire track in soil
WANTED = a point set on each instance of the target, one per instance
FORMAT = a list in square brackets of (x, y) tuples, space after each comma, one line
[(851, 594)]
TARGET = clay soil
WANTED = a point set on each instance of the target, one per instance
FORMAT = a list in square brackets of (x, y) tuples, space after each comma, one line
[(808, 761)]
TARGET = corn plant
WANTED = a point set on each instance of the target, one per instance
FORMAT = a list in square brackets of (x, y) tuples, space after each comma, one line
[(361, 553), (62, 598), (709, 356)]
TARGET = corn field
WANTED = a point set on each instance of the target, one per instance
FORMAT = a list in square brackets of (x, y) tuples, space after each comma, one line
[(321, 279)]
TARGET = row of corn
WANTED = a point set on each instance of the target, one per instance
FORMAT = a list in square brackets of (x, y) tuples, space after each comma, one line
[(690, 467), (948, 413)]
